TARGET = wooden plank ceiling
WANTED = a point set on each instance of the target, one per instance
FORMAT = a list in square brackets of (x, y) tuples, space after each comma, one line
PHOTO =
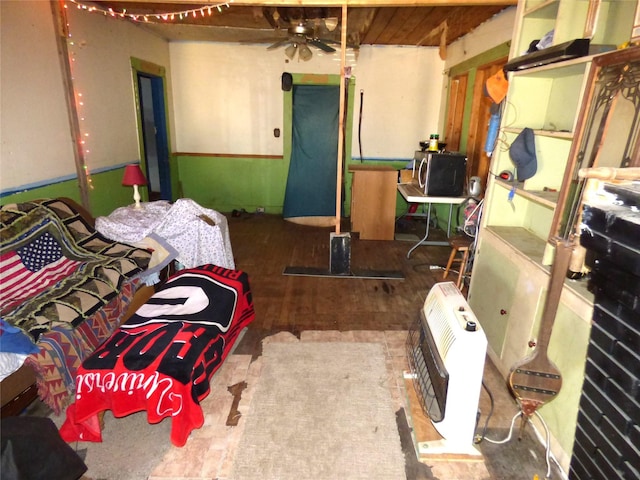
[(424, 23)]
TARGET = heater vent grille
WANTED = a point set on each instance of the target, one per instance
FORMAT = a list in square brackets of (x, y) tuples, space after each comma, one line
[(431, 378)]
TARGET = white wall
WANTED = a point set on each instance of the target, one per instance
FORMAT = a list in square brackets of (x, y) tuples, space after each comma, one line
[(36, 143), (228, 98), (491, 33), (34, 125), (402, 103)]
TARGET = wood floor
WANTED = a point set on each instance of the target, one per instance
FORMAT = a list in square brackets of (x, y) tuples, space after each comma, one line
[(264, 245)]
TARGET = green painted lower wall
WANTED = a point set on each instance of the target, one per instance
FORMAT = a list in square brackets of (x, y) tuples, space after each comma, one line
[(220, 183), (232, 183), (106, 195)]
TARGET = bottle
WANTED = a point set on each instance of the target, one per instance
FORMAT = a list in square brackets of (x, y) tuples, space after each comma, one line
[(433, 142)]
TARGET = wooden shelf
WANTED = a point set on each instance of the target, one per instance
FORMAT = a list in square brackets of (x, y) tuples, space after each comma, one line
[(540, 9), (527, 245), (522, 241), (564, 135), (546, 198), (548, 68)]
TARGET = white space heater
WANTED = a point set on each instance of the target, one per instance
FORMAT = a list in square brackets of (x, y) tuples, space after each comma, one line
[(446, 350)]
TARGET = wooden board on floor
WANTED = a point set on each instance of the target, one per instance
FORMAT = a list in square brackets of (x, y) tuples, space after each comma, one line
[(425, 435)]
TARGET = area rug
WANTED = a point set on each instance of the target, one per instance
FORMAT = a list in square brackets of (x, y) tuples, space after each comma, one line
[(321, 411)]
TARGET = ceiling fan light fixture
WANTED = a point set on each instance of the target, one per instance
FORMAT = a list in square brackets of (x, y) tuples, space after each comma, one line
[(331, 23), (290, 51), (305, 53)]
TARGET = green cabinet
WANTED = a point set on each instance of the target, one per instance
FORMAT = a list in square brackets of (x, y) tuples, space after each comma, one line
[(493, 300), (511, 268)]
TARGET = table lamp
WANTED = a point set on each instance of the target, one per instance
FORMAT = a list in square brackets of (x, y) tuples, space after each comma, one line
[(133, 176)]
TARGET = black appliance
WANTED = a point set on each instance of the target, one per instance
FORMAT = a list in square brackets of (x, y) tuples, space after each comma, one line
[(556, 53), (442, 174)]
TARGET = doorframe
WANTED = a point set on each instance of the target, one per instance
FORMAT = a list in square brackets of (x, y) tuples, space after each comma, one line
[(144, 68), (287, 123), (476, 114), (479, 161), (456, 110)]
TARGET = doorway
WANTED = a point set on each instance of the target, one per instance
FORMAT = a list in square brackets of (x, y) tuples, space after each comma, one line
[(153, 133), (479, 159), (311, 183), (288, 142), (473, 140)]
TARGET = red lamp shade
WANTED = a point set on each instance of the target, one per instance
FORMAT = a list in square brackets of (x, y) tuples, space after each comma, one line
[(133, 176)]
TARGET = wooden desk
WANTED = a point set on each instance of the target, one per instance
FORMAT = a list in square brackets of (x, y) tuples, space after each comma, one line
[(373, 201), (412, 194)]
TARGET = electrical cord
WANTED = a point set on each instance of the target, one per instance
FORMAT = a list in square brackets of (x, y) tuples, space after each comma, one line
[(547, 442), (431, 266), (478, 438), (505, 440), (360, 125)]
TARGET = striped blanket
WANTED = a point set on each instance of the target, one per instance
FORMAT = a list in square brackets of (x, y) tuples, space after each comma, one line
[(161, 360), (64, 285)]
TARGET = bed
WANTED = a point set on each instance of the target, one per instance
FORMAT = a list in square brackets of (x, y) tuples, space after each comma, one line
[(63, 290), (161, 359)]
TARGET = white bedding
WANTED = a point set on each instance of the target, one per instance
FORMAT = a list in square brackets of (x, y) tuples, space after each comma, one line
[(10, 362), (200, 235)]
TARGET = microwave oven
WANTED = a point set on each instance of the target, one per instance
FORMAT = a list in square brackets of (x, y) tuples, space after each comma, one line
[(440, 174)]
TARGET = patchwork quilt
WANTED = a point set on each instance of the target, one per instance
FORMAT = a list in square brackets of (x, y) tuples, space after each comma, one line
[(162, 359), (63, 284)]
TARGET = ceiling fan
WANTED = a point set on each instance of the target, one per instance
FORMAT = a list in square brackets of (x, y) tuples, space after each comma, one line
[(302, 26), (299, 37)]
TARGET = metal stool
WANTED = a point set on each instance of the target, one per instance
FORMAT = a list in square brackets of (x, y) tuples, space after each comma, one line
[(459, 244)]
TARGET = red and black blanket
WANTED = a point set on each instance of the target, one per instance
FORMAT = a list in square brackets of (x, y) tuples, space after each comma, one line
[(161, 360)]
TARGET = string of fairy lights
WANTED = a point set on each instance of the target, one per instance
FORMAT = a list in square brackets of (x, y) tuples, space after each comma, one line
[(205, 10), (156, 17), (79, 102)]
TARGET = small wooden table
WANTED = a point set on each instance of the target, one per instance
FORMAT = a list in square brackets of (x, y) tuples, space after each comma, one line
[(412, 194), (373, 201)]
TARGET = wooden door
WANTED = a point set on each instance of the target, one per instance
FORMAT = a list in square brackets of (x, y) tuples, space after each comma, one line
[(478, 160), (455, 113)]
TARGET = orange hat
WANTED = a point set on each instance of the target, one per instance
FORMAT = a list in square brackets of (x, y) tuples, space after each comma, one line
[(497, 86)]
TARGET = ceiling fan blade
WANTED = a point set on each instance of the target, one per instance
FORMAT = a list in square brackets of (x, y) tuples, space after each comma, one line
[(279, 43), (321, 45), (335, 42)]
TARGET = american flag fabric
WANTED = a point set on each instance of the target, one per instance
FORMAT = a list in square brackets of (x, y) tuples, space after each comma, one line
[(31, 269), (76, 309)]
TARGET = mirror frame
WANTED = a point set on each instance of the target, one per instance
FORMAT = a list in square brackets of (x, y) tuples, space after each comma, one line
[(625, 63)]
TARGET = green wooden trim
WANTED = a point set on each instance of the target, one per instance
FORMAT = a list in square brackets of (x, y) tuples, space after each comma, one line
[(147, 67), (226, 155), (143, 66), (470, 67), (484, 58), (468, 103)]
